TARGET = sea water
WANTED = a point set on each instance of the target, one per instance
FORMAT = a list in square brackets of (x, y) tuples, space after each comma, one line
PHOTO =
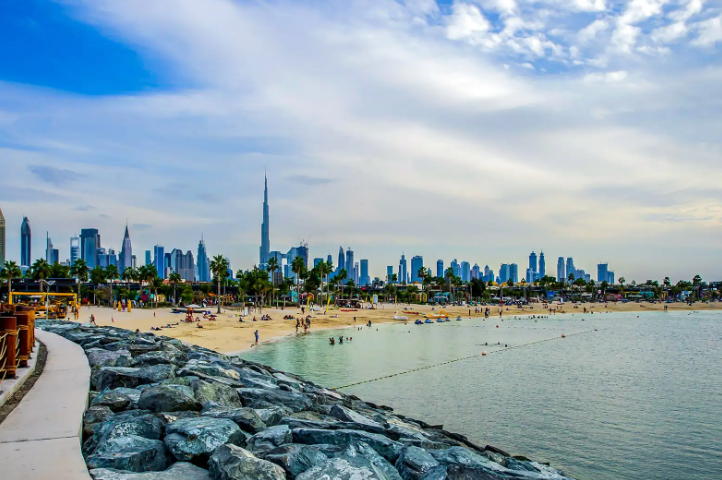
[(623, 396)]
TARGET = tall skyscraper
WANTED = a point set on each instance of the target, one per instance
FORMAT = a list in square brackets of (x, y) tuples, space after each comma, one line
[(182, 263), (602, 272), (148, 260), (265, 226), (89, 245), (51, 254), (403, 270), (26, 236), (533, 262), (504, 274), (488, 274), (159, 260), (317, 262), (570, 268), (465, 271), (514, 273), (349, 263), (203, 265), (341, 260), (389, 273), (561, 270), (126, 253), (476, 272), (74, 250), (329, 258), (416, 263), (2, 239), (542, 265), (364, 278), (440, 268), (455, 268)]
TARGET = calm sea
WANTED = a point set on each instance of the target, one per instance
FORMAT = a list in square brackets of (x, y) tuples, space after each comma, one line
[(621, 397)]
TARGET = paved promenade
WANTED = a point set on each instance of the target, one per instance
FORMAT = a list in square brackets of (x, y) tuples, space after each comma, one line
[(41, 437)]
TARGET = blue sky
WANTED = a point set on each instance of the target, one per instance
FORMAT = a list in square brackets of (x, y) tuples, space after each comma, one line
[(474, 129)]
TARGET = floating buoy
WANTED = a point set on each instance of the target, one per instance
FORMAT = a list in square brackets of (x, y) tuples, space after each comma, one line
[(497, 326), (483, 354), (564, 336)]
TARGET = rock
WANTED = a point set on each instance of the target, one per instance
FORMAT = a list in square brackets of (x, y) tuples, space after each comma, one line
[(170, 417), (158, 358), (267, 440), (356, 461), (118, 399), (284, 379), (140, 423), (99, 357), (462, 456), (414, 463), (272, 415), (230, 462), (296, 458), (94, 416), (388, 449), (197, 438), (114, 377), (204, 368), (217, 394), (177, 471), (168, 398), (260, 398), (131, 453), (246, 418), (348, 415)]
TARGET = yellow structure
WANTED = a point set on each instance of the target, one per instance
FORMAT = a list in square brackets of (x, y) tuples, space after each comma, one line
[(57, 309)]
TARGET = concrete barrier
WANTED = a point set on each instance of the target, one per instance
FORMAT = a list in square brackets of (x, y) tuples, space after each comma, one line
[(40, 439)]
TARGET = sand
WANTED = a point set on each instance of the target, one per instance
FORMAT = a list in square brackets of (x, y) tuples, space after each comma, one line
[(228, 335)]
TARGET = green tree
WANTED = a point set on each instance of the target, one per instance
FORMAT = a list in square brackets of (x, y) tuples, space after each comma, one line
[(298, 265), (129, 274), (271, 267), (10, 271), (697, 283), (39, 270), (156, 283), (79, 270), (174, 279), (97, 277), (219, 268), (111, 274)]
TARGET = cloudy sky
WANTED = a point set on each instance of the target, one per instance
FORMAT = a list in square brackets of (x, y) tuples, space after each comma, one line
[(469, 129)]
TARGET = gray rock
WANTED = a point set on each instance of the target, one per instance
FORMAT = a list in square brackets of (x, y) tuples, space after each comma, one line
[(118, 399), (414, 463), (95, 416), (272, 415), (114, 377), (130, 453), (204, 368), (267, 440), (246, 418), (388, 449), (462, 456), (217, 394), (356, 461), (170, 417), (168, 398), (260, 398), (296, 459), (99, 357), (230, 462), (177, 471), (140, 423), (158, 358), (197, 438)]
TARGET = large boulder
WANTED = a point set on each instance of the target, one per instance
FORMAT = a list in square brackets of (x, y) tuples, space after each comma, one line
[(230, 462), (356, 461), (118, 399), (415, 463), (197, 438), (131, 453), (296, 459), (217, 394), (260, 398), (95, 416), (114, 377), (385, 447), (159, 357), (99, 357), (271, 416), (246, 418), (177, 471), (168, 398), (267, 440), (139, 423), (201, 368)]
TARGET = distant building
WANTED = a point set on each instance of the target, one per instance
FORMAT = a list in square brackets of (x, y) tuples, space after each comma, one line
[(51, 254), (561, 270), (74, 250), (106, 258), (455, 268), (126, 253), (159, 260), (390, 273), (417, 262), (317, 262), (133, 262), (440, 268), (610, 277), (341, 260), (26, 235), (542, 265), (465, 271), (265, 226), (356, 273), (329, 259), (476, 272), (183, 264), (602, 272), (570, 268), (364, 278), (514, 272), (89, 245), (533, 263), (148, 260), (349, 263), (203, 269), (402, 270), (529, 276), (504, 273)]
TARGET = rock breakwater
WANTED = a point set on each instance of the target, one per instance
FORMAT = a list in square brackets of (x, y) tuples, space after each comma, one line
[(161, 409)]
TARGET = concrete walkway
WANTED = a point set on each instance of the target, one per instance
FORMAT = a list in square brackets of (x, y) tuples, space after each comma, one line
[(41, 437)]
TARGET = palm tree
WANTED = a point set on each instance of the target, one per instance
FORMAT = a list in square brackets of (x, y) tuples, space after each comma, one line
[(128, 275), (219, 267), (174, 279), (80, 271), (328, 268), (340, 277), (97, 276), (112, 274), (39, 270), (422, 274), (148, 273), (271, 267), (298, 265), (11, 271), (697, 282)]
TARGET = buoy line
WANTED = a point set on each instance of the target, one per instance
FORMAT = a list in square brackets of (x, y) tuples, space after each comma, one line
[(459, 360)]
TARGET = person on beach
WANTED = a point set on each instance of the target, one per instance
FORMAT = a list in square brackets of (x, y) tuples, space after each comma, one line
[(92, 320), (256, 334)]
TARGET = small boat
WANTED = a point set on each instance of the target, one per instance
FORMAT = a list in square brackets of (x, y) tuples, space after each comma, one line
[(418, 322), (439, 320), (412, 313), (441, 314), (458, 319), (447, 320), (564, 336), (399, 317), (428, 321), (483, 354)]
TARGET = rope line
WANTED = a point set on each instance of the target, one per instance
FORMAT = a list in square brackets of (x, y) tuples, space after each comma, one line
[(456, 360)]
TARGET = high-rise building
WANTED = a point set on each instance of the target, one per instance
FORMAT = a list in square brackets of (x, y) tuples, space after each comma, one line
[(570, 268), (529, 276), (26, 235), (349, 262), (341, 260), (317, 262), (356, 273), (183, 264), (159, 260), (514, 272), (329, 259), (364, 278), (476, 272), (602, 272), (51, 254), (542, 265), (89, 245), (265, 226), (416, 263), (504, 274), (465, 271), (440, 268), (148, 260), (203, 265), (74, 249), (403, 270), (2, 239), (533, 262), (561, 270), (610, 277), (390, 274), (455, 268), (133, 262), (126, 253)]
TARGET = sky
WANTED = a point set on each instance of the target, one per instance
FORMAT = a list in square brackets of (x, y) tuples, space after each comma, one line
[(472, 129)]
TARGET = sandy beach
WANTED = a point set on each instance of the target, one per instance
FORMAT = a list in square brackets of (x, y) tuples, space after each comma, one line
[(228, 335)]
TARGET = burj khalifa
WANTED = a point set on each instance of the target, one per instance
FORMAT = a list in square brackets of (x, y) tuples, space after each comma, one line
[(265, 228)]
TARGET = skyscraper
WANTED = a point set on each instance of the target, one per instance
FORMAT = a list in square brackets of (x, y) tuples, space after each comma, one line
[(465, 271), (514, 272), (89, 245), (364, 278), (416, 263), (570, 268), (26, 236), (440, 268), (317, 262), (532, 263), (203, 267), (504, 275), (126, 253), (148, 260), (341, 260), (402, 269), (329, 259), (74, 250), (561, 270), (51, 254), (349, 263), (159, 260), (2, 239), (602, 272), (476, 272), (542, 265), (390, 273), (265, 226), (455, 268)]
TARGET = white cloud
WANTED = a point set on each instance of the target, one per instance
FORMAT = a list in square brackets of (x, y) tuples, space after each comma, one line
[(670, 33), (467, 23), (710, 32), (625, 37), (609, 77), (591, 31)]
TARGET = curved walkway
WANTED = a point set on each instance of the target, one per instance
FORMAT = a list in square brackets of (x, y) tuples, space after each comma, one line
[(41, 437)]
